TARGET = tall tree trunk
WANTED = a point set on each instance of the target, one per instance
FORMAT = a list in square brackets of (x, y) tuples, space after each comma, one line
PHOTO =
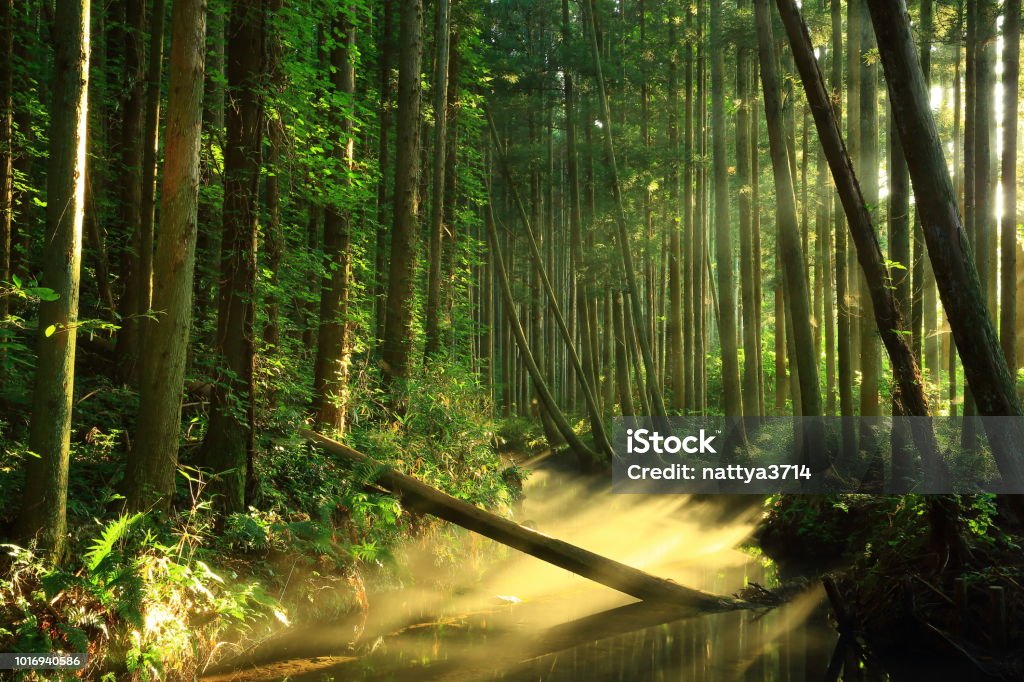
[(436, 227), (152, 462), (330, 380), (751, 373), (675, 350), (854, 60), (920, 281), (136, 274), (276, 168), (585, 378), (622, 233), (6, 142), (397, 343), (689, 233), (948, 248), (790, 245), (386, 48), (1008, 235), (44, 500), (870, 361), (985, 230), (621, 357), (150, 142), (228, 447), (732, 398)]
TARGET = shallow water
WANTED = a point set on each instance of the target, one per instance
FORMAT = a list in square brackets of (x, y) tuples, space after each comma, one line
[(484, 612)]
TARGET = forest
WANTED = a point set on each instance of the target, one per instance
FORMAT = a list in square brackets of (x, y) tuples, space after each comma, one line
[(300, 298)]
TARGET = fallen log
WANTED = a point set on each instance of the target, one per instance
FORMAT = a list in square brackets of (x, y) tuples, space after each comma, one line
[(608, 572)]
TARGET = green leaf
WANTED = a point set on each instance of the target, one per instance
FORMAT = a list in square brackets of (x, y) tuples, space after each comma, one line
[(49, 331), (43, 293)]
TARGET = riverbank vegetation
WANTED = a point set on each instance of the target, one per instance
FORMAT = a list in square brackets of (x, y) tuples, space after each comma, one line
[(443, 233)]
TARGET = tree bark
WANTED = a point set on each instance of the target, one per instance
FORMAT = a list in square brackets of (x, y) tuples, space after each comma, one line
[(6, 143), (152, 462), (386, 47), (1008, 236), (397, 343), (432, 313), (790, 245), (228, 447), (44, 500), (732, 398), (674, 341), (137, 262), (744, 94), (330, 376)]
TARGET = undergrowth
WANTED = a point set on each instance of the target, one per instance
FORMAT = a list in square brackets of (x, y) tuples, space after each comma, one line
[(162, 596)]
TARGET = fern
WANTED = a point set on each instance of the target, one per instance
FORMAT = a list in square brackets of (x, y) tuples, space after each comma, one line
[(111, 535)]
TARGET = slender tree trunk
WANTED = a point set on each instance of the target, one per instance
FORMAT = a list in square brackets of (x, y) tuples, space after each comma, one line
[(1008, 236), (622, 357), (330, 381), (751, 373), (44, 500), (985, 229), (920, 281), (732, 398), (6, 143), (152, 462), (870, 362), (790, 245), (674, 341), (397, 344), (228, 447), (386, 47), (436, 226), (272, 186), (689, 303), (899, 221), (136, 274)]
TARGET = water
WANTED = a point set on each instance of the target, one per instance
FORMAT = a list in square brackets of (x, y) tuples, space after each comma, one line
[(481, 611)]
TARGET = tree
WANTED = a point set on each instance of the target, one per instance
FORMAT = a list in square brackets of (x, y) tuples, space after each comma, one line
[(137, 259), (330, 382), (732, 398), (6, 142), (436, 227), (228, 447), (44, 500), (397, 343), (790, 246), (1008, 228), (152, 463)]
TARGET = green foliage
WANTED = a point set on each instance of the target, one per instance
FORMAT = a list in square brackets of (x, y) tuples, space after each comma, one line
[(137, 593)]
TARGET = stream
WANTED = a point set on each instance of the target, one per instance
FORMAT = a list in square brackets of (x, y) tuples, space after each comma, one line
[(481, 611)]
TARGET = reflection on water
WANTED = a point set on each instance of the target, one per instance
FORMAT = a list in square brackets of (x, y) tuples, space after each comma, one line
[(493, 613)]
